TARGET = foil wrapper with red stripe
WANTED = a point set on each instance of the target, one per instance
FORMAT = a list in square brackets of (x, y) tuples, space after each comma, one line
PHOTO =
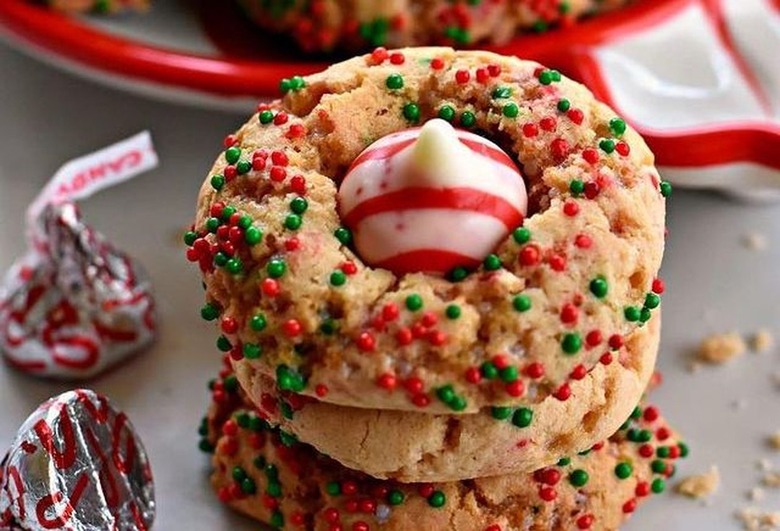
[(76, 464), (75, 305)]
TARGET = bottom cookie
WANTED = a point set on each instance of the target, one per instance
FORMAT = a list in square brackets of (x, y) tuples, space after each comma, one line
[(267, 474)]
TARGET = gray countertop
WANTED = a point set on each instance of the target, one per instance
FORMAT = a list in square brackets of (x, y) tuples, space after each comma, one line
[(714, 284)]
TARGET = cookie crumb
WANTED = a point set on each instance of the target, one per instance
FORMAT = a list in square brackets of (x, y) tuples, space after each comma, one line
[(755, 241), (720, 348), (754, 519), (774, 440), (764, 465), (700, 485), (771, 480), (756, 494), (739, 404), (762, 341)]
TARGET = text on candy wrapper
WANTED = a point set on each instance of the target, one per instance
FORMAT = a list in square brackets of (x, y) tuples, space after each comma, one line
[(99, 172)]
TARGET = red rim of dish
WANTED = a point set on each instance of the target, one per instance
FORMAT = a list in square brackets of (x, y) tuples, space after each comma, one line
[(81, 43)]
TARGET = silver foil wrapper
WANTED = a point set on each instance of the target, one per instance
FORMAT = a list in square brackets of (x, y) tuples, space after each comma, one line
[(76, 464), (74, 305)]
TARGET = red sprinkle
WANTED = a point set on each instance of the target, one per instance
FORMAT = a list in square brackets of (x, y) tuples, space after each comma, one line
[(646, 451), (569, 314), (279, 158), (548, 494), (425, 490), (571, 208), (578, 373), (557, 262), (404, 336), (387, 381), (414, 385), (270, 287), (379, 55), (280, 118), (530, 130), (482, 75), (622, 148), (462, 76), (606, 358), (534, 370), (590, 155), (298, 184), (515, 388), (390, 311), (397, 58), (296, 131), (629, 506), (321, 390), (473, 375), (229, 325), (529, 255), (277, 174), (615, 342), (585, 521), (658, 286), (366, 342), (593, 338), (292, 328), (421, 400), (563, 393), (576, 116), (494, 70), (548, 123), (437, 63), (292, 244), (651, 414)]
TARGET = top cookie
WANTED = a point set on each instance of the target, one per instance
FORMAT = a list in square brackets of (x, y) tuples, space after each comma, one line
[(558, 293)]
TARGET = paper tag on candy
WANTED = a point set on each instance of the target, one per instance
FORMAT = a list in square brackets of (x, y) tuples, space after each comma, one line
[(76, 464), (82, 177), (75, 305)]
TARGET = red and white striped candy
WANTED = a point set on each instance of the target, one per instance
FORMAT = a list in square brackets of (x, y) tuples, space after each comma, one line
[(431, 199)]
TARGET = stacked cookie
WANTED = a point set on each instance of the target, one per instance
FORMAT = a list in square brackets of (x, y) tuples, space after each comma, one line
[(511, 366)]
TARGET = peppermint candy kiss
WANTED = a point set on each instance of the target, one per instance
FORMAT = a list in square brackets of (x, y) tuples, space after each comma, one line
[(431, 199)]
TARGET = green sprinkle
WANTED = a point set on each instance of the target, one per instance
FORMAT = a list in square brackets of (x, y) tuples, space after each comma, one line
[(607, 145), (458, 274), (547, 77), (230, 384), (274, 489), (414, 302), (243, 167), (252, 351), (276, 268), (662, 452), (394, 81), (277, 519), (253, 235), (343, 235), (572, 343), (510, 110), (209, 312), (338, 278), (333, 488), (578, 478), (271, 472), (217, 182), (636, 413), (501, 92), (205, 446), (467, 119), (437, 499), (293, 222), (617, 126), (227, 212), (658, 486), (395, 497), (644, 315), (509, 374), (623, 470), (501, 412), (244, 222), (446, 393), (521, 303), (223, 344), (220, 259), (522, 417), (447, 112), (564, 105), (492, 262), (266, 117), (521, 235), (411, 112), (248, 486), (652, 300), (238, 474), (258, 323), (488, 370), (658, 466), (458, 403), (190, 237), (632, 313), (599, 287), (259, 462), (329, 327), (234, 266), (299, 205), (684, 449), (232, 154), (576, 187), (212, 224), (453, 311), (666, 188), (564, 461)]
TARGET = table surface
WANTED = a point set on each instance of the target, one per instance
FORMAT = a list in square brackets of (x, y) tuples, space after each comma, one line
[(714, 284)]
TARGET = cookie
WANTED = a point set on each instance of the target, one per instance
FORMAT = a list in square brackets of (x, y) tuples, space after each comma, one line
[(324, 25), (97, 6), (293, 297), (416, 447), (266, 474)]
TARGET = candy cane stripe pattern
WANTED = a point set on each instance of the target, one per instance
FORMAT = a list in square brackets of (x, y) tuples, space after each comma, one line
[(431, 199)]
